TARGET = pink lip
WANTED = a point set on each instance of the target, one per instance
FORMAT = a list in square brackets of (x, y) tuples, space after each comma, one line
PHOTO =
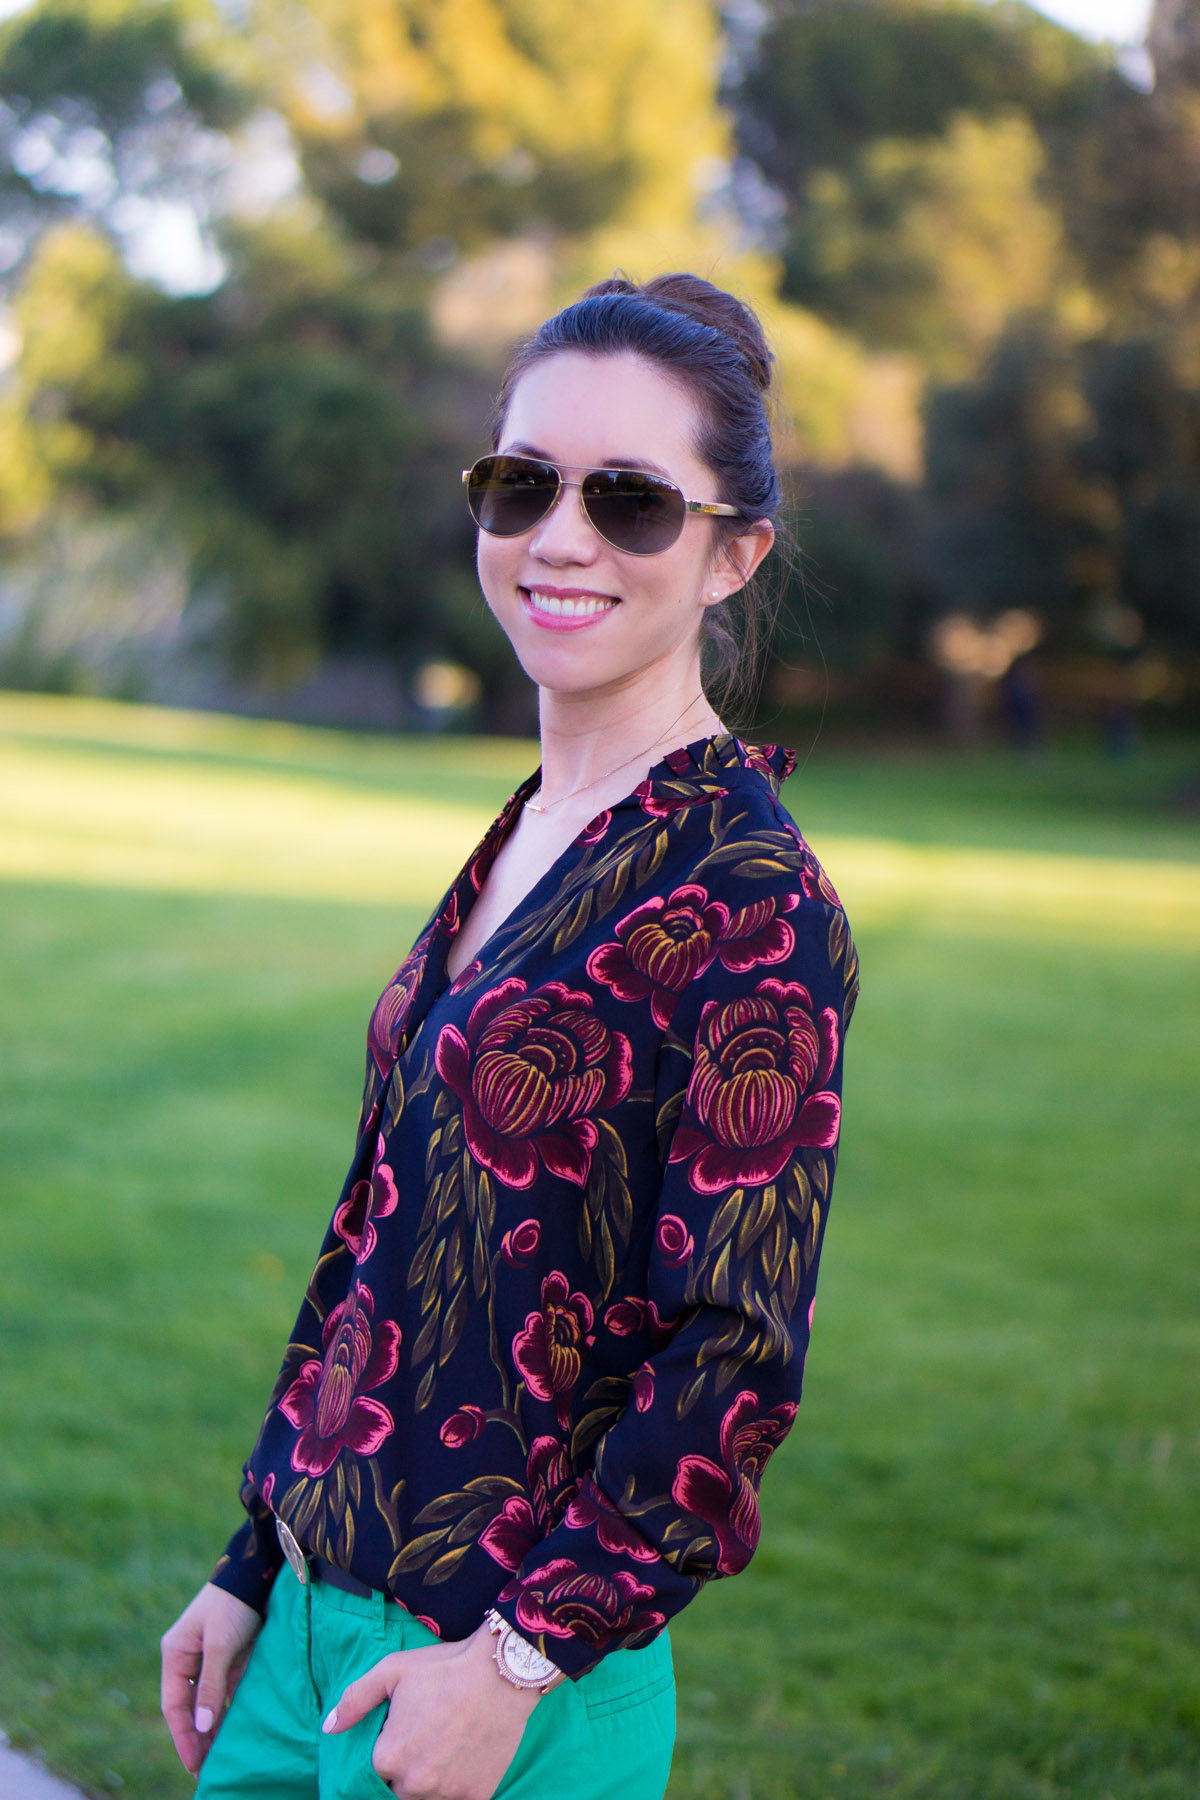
[(549, 623)]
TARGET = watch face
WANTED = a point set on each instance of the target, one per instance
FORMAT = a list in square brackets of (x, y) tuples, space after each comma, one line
[(524, 1661)]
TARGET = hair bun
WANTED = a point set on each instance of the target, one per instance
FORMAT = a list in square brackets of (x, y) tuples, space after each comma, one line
[(708, 305)]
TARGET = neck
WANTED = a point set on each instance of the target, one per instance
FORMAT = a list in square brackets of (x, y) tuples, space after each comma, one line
[(584, 738)]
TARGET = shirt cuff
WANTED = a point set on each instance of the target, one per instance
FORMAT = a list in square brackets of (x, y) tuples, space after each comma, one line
[(251, 1562)]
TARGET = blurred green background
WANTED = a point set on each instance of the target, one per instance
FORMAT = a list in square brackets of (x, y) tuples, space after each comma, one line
[(260, 266)]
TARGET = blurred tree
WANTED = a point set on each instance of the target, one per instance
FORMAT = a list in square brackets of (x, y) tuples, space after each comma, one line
[(82, 370), (294, 424), (1128, 181), (974, 201), (303, 421), (1013, 518), (434, 127), (1067, 479), (930, 245), (833, 76), (857, 594), (1145, 447), (108, 108)]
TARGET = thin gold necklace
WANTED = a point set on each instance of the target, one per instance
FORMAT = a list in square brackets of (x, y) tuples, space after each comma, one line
[(596, 779)]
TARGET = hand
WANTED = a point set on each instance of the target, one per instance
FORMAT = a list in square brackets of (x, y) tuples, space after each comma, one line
[(208, 1646), (454, 1722)]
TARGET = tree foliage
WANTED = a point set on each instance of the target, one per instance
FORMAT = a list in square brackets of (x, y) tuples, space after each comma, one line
[(834, 76), (975, 243)]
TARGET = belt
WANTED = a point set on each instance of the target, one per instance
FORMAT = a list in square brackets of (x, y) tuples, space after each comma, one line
[(304, 1566)]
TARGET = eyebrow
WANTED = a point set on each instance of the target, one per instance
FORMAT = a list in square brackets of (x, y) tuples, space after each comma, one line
[(610, 462)]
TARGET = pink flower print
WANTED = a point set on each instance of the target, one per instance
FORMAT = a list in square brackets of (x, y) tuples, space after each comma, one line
[(551, 1480), (530, 1071), (592, 1507), (448, 922), (563, 1601), (547, 1352), (630, 1315), (675, 1241), (661, 806), (462, 1427), (761, 757), (643, 1387), (660, 947), (466, 977), (814, 882), (595, 828), (726, 1498), (757, 934), (511, 1535), (369, 1200), (326, 1401), (521, 1243), (749, 1105), (391, 1009)]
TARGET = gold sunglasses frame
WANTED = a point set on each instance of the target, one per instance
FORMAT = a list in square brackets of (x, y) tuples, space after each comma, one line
[(714, 508)]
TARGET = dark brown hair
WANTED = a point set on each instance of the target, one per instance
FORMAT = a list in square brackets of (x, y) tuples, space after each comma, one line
[(713, 345)]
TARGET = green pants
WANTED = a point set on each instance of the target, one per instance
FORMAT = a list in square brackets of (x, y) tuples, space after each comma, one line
[(608, 1734)]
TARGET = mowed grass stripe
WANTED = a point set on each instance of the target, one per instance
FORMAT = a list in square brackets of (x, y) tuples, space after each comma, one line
[(88, 816), (94, 816)]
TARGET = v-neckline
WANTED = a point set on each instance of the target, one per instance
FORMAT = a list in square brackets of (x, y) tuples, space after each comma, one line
[(674, 762), (682, 778)]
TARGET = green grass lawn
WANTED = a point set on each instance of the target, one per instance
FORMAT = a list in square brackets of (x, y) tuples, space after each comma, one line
[(978, 1579)]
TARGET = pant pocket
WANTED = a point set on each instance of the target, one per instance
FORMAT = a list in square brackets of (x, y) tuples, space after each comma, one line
[(547, 1751), (614, 1743), (353, 1777)]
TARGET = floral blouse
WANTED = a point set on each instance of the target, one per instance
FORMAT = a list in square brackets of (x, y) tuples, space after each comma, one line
[(558, 1322)]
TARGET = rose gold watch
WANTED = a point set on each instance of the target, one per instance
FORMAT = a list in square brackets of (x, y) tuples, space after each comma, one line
[(518, 1661)]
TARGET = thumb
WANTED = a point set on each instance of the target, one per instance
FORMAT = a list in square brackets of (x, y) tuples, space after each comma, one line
[(364, 1695)]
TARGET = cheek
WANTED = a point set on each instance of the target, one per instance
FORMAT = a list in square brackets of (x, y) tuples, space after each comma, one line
[(494, 561)]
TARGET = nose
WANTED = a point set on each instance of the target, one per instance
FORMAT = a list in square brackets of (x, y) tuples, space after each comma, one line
[(565, 535)]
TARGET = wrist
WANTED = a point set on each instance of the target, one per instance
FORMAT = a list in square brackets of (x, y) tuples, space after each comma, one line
[(518, 1662)]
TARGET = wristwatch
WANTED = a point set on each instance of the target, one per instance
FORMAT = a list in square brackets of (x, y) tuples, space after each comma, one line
[(518, 1661)]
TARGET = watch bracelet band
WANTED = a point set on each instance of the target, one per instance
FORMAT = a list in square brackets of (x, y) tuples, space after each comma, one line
[(504, 1632)]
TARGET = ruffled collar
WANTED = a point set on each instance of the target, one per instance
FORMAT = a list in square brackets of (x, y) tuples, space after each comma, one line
[(698, 771)]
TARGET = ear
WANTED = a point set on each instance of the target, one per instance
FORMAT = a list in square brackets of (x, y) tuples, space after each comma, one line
[(737, 559)]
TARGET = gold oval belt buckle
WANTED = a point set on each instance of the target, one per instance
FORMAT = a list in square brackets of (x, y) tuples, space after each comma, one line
[(291, 1549)]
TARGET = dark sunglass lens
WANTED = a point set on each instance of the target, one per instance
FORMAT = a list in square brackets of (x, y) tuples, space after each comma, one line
[(635, 512), (509, 494)]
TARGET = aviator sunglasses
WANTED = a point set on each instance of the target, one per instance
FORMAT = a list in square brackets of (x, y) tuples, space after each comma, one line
[(634, 511)]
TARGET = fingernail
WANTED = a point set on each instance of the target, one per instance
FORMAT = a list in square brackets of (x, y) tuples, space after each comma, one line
[(203, 1720), (330, 1723)]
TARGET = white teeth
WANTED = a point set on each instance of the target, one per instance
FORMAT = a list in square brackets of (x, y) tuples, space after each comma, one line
[(567, 609)]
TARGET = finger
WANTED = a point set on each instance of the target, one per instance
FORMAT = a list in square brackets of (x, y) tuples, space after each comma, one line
[(179, 1671), (212, 1690), (364, 1695)]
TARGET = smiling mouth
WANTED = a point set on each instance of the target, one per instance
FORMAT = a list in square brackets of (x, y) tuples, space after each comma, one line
[(569, 606)]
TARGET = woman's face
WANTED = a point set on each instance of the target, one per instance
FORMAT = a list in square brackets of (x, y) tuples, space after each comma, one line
[(630, 613)]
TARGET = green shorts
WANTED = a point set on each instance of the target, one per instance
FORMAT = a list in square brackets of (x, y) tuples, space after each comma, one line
[(609, 1733)]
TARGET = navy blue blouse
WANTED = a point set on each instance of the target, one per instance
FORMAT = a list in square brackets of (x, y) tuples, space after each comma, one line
[(558, 1322)]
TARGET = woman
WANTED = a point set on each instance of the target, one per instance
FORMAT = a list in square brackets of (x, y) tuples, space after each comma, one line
[(559, 1318)]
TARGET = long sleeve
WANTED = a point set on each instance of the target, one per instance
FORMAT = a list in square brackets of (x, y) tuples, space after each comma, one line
[(748, 1110), (252, 1556)]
